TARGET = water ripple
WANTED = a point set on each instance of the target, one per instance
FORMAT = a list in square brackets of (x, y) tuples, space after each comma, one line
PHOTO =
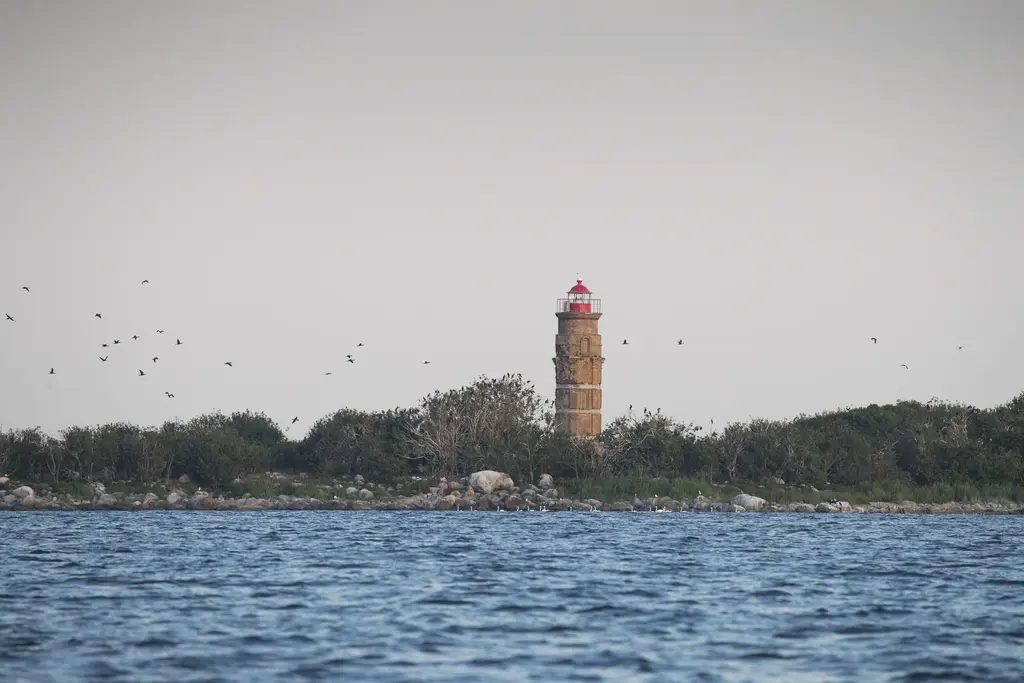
[(406, 596)]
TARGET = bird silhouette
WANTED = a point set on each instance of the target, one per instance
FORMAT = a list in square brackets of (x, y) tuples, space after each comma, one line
[(9, 317), (348, 355), (959, 348), (26, 289), (294, 420), (117, 341), (52, 372), (874, 340), (159, 331), (169, 394), (426, 362), (104, 358), (326, 373), (679, 343), (359, 344), (350, 360), (902, 365), (105, 345), (145, 282), (141, 373), (177, 342), (135, 336), (228, 363), (625, 341), (98, 315), (155, 358)]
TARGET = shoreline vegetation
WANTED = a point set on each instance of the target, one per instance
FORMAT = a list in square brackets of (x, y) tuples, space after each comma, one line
[(492, 445)]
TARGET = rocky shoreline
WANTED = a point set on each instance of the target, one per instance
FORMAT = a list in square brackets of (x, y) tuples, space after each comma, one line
[(484, 491)]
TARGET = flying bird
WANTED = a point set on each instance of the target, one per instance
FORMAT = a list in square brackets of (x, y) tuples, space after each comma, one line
[(98, 315), (104, 358), (135, 336), (625, 341), (105, 345), (155, 358), (228, 363), (326, 373), (959, 348), (178, 342), (159, 331), (874, 340), (52, 372), (141, 373), (169, 394), (359, 344), (117, 341), (294, 420), (26, 289), (9, 317), (904, 366), (679, 343), (350, 360), (426, 362), (145, 282)]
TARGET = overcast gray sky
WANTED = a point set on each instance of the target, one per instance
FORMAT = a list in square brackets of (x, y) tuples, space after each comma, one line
[(774, 182)]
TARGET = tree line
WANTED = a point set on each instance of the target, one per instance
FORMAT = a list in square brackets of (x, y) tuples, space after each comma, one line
[(504, 424)]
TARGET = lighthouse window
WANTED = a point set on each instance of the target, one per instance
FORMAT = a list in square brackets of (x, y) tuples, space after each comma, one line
[(585, 346)]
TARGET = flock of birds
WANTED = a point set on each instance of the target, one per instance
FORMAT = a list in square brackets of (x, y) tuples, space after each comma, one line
[(874, 340), (349, 358)]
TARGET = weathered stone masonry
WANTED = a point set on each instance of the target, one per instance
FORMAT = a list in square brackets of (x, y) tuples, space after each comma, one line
[(578, 363)]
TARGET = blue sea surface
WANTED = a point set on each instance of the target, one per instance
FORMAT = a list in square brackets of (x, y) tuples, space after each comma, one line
[(477, 596)]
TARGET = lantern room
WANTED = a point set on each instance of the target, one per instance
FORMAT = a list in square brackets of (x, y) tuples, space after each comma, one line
[(579, 299)]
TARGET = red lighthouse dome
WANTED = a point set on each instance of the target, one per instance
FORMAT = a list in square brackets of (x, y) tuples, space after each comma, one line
[(578, 298), (579, 288)]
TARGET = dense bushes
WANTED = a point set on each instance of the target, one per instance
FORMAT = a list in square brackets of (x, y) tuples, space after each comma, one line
[(504, 424)]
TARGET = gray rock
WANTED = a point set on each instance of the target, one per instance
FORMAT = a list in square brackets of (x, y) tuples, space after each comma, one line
[(4, 481), (489, 481), (183, 479), (359, 480), (826, 507), (351, 492), (365, 494), (803, 507), (105, 499), (546, 481), (173, 498), (23, 492), (749, 502)]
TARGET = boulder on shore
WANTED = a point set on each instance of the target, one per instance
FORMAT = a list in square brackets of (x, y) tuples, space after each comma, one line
[(748, 502), (489, 481), (546, 481), (23, 492)]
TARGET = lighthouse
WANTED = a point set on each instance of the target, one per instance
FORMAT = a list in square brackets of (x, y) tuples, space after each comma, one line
[(578, 363)]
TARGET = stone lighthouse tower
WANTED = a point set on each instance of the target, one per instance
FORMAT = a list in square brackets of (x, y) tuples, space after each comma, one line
[(578, 363)]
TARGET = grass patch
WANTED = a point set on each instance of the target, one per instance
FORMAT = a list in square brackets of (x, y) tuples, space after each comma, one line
[(79, 490), (615, 489)]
